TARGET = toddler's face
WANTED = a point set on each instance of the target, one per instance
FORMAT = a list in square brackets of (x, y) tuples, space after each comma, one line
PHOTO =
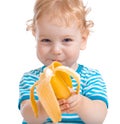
[(58, 43)]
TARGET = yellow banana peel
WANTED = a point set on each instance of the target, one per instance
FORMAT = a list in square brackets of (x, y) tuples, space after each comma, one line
[(54, 83)]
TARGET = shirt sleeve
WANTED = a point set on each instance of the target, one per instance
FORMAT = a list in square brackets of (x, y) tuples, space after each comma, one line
[(25, 84), (95, 87)]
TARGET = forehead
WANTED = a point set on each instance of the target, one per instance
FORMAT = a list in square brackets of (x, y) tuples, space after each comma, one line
[(45, 22), (46, 28), (58, 20)]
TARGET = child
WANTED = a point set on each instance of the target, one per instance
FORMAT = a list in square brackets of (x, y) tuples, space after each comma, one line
[(61, 31)]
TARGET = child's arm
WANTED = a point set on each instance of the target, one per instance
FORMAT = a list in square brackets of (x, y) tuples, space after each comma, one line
[(28, 114), (90, 111)]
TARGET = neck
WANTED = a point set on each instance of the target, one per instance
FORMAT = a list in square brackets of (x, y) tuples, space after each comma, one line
[(74, 66)]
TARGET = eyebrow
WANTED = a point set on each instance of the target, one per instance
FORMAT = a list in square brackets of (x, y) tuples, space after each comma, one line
[(43, 35), (64, 36), (68, 36)]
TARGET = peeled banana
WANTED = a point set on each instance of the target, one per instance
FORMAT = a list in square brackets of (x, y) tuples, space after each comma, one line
[(54, 83)]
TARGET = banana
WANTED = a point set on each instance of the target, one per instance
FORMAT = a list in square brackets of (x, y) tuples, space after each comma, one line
[(54, 83)]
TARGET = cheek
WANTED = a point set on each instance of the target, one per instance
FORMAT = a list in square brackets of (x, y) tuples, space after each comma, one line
[(39, 51), (42, 52), (73, 53), (74, 50)]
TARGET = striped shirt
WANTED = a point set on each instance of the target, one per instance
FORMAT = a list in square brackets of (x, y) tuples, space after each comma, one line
[(92, 86)]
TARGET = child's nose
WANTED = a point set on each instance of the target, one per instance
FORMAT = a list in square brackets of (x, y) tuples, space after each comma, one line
[(57, 49)]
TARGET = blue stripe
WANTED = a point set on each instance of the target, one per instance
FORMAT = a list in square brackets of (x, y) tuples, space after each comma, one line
[(25, 98), (65, 120), (99, 98)]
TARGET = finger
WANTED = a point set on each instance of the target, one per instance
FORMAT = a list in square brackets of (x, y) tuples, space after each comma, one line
[(64, 107), (71, 99), (62, 101)]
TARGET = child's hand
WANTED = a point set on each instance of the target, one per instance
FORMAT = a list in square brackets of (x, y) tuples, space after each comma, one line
[(72, 104)]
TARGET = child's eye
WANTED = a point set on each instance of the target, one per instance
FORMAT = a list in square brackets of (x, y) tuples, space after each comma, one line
[(45, 40), (67, 40)]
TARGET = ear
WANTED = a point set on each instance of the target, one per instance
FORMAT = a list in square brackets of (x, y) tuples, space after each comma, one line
[(84, 40)]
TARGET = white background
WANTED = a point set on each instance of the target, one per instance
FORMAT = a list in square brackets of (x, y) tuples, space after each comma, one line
[(18, 55)]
